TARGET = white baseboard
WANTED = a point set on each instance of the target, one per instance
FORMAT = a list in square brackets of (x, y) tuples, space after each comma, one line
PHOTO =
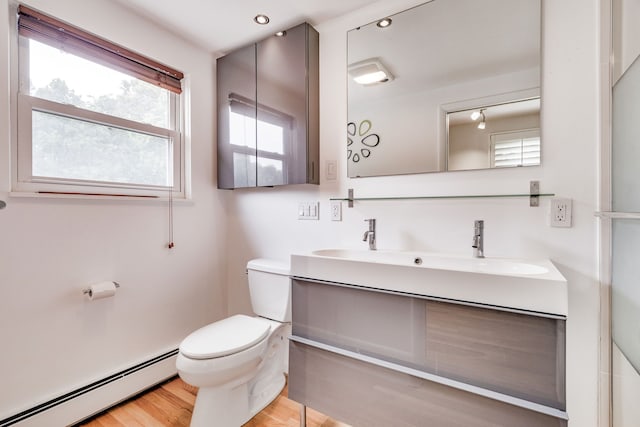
[(100, 398)]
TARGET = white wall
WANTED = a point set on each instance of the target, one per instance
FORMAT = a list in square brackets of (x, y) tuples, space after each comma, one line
[(51, 338), (263, 222)]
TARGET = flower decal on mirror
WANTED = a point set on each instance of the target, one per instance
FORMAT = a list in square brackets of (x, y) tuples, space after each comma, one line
[(361, 132)]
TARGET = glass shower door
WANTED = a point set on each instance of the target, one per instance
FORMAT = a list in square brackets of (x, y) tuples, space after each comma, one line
[(625, 261)]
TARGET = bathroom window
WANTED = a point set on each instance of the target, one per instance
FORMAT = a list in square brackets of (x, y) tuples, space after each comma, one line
[(93, 117), (518, 148)]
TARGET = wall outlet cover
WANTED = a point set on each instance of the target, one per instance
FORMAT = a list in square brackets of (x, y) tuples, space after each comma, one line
[(560, 212), (336, 210)]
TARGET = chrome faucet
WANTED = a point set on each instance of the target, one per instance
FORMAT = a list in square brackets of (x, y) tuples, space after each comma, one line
[(371, 234), (478, 239)]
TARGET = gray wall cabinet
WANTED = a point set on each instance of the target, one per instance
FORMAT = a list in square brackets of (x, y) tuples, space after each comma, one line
[(268, 112)]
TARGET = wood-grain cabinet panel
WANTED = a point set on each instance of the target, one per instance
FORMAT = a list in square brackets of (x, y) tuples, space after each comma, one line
[(511, 353), (363, 394)]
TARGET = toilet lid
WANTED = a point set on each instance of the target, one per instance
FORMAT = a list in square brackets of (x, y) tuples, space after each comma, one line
[(225, 337)]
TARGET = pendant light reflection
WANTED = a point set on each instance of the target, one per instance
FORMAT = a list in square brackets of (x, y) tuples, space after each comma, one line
[(477, 115)]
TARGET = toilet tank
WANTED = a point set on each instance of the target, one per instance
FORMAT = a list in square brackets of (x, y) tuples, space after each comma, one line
[(270, 289)]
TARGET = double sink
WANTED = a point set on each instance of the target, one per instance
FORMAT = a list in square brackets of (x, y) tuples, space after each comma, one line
[(534, 286)]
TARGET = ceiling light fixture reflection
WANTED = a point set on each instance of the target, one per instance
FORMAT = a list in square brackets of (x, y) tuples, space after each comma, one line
[(479, 114), (384, 23), (483, 122), (281, 33), (261, 19), (370, 71)]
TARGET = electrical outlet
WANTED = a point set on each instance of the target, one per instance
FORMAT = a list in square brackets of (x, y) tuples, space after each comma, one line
[(560, 212), (336, 210)]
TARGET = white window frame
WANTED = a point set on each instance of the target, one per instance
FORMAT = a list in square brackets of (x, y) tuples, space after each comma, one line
[(23, 105), (515, 135)]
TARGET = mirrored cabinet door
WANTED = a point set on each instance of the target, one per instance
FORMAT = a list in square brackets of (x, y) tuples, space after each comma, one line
[(281, 113), (268, 112), (237, 119)]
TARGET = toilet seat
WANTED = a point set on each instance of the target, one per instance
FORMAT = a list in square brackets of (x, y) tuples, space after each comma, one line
[(225, 337)]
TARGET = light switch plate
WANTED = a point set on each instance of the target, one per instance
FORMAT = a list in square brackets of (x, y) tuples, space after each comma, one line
[(309, 210), (331, 170)]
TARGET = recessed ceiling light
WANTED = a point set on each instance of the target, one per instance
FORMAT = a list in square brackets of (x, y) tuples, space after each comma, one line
[(281, 33), (261, 19), (384, 23)]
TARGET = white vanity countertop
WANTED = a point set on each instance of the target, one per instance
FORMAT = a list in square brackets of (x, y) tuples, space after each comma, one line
[(530, 285)]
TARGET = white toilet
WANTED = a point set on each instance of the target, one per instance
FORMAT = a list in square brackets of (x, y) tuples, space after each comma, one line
[(239, 362)]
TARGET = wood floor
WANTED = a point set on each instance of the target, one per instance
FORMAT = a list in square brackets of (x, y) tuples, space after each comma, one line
[(171, 404)]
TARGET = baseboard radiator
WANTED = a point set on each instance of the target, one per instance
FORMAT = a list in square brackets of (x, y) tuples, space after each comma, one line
[(93, 398)]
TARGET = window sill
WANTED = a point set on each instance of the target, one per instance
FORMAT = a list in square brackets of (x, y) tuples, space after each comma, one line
[(109, 197)]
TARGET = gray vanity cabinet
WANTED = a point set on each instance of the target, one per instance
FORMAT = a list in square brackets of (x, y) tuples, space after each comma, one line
[(268, 112), (379, 358)]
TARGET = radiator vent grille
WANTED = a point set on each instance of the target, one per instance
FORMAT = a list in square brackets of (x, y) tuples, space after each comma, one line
[(84, 390)]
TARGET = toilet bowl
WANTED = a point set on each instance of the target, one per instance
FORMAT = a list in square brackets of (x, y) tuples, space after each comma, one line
[(239, 363)]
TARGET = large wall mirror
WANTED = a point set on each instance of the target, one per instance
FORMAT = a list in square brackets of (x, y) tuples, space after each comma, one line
[(446, 85)]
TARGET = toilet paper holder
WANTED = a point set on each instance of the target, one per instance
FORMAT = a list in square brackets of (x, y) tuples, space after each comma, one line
[(89, 291)]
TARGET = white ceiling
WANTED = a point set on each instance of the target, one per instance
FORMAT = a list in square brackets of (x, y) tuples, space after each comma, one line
[(222, 25)]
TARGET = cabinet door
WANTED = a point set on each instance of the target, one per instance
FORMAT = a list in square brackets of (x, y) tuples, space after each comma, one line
[(510, 353), (282, 111), (363, 394), (237, 166)]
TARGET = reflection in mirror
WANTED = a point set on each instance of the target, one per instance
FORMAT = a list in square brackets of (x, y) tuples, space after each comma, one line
[(274, 128), (267, 118), (496, 136), (439, 57)]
